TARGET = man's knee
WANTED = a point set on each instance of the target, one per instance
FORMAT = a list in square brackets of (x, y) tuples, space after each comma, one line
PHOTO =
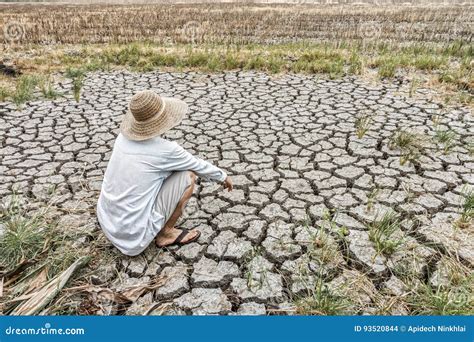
[(190, 189), (193, 177)]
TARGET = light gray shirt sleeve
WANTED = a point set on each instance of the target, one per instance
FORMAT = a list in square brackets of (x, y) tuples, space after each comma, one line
[(180, 160)]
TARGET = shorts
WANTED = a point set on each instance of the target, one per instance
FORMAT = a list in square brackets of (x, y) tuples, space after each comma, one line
[(171, 193)]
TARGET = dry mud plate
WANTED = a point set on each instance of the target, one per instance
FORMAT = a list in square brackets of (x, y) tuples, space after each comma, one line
[(307, 187)]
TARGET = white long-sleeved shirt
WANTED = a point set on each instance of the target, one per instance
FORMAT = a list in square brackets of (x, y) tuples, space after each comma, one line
[(133, 178)]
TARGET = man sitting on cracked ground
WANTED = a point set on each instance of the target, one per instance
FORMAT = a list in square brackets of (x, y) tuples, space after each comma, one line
[(149, 179)]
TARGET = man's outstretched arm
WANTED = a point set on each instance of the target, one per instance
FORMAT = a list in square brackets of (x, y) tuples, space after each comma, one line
[(180, 159)]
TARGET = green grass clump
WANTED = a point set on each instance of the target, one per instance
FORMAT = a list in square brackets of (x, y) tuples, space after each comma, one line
[(458, 48), (47, 88), (323, 301), (382, 233), (388, 61), (4, 93), (77, 76), (355, 63), (25, 87), (269, 64), (387, 68), (447, 138), (428, 62), (320, 60), (362, 125), (409, 143), (461, 75), (404, 140), (451, 292), (442, 301), (25, 235), (334, 68), (129, 54), (231, 61), (467, 209), (37, 251)]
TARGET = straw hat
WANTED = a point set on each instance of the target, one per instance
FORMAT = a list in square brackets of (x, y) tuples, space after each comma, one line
[(150, 115)]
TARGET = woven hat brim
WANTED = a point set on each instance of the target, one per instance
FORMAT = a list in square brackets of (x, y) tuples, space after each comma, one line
[(173, 114)]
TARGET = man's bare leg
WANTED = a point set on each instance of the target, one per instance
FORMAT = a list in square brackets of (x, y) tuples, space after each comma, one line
[(169, 233)]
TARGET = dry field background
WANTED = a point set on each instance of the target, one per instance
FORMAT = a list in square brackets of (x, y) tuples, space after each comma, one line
[(232, 23)]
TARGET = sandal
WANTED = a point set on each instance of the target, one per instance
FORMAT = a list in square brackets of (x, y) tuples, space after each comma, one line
[(180, 237)]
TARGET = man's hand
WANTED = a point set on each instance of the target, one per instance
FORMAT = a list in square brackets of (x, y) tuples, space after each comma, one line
[(228, 184)]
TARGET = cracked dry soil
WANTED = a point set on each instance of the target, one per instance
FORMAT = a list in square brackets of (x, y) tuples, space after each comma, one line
[(291, 146)]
